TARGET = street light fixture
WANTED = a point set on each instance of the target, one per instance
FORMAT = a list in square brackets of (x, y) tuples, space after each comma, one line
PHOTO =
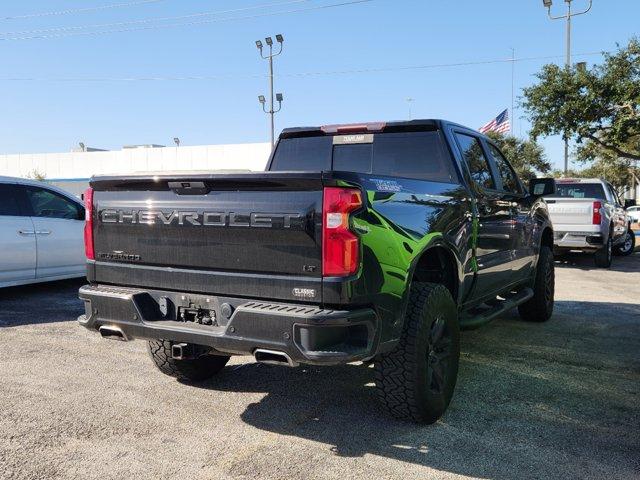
[(271, 111), (176, 140), (547, 4)]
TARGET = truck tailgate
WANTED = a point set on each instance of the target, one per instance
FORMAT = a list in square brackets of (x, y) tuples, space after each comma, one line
[(261, 223), (571, 211)]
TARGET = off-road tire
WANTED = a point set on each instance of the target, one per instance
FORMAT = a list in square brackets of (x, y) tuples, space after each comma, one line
[(628, 245), (604, 256), (189, 371), (539, 308), (416, 380)]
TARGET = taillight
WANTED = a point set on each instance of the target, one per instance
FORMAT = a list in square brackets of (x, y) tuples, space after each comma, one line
[(340, 246), (88, 224), (597, 214)]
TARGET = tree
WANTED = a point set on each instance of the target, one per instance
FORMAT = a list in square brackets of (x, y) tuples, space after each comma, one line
[(526, 156), (600, 106), (35, 174)]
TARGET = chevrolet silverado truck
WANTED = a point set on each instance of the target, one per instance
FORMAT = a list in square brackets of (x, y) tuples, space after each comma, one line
[(588, 215), (373, 243)]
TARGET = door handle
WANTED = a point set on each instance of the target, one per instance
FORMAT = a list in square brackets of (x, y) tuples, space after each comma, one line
[(43, 232), (26, 233)]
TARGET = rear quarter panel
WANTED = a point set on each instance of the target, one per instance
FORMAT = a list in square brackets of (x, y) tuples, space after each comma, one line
[(401, 219)]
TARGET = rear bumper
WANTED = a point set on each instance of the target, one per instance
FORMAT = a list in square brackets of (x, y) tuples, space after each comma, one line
[(307, 334), (584, 240)]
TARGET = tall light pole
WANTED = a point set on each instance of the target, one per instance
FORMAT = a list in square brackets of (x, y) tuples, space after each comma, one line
[(409, 100), (271, 111), (567, 17)]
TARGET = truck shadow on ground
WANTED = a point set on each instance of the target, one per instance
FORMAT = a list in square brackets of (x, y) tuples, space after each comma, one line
[(529, 397), (41, 303), (585, 261)]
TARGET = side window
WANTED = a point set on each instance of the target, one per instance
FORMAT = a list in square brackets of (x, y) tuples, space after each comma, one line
[(509, 179), (9, 205), (476, 160), (49, 204)]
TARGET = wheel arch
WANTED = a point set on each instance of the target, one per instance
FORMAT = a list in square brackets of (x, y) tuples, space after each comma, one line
[(546, 239), (437, 263)]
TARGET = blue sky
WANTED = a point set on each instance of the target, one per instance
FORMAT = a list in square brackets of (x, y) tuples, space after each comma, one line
[(42, 113)]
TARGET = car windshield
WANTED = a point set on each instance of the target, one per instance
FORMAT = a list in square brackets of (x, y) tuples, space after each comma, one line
[(579, 190)]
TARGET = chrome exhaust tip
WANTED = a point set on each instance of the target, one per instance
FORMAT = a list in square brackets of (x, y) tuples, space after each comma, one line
[(112, 333), (273, 357)]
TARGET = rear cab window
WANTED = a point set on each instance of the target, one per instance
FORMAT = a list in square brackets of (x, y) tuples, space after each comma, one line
[(579, 190), (420, 155)]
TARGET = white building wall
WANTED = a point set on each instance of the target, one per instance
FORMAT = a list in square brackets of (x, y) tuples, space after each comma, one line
[(80, 165)]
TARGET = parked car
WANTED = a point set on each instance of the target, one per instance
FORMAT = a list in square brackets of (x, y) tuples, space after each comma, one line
[(371, 242), (588, 215), (634, 214), (41, 233)]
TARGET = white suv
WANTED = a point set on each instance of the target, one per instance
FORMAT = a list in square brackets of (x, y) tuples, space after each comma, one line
[(41, 233)]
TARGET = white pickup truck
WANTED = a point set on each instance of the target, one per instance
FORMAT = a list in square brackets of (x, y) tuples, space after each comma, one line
[(588, 215)]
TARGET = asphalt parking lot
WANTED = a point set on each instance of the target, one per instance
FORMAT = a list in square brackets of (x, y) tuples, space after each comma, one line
[(557, 400)]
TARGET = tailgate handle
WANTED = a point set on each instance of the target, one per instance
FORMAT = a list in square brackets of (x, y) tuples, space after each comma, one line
[(189, 188)]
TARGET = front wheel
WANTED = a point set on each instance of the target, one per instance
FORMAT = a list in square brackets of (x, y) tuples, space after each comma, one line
[(604, 256), (628, 246), (539, 308), (416, 380)]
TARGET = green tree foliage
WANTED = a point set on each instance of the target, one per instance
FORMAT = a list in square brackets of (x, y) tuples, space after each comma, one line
[(526, 156), (619, 173), (599, 107)]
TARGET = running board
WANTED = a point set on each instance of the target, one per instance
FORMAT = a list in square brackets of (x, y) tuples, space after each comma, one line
[(504, 306)]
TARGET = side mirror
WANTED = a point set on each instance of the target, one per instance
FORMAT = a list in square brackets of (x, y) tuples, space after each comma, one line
[(628, 202), (539, 187)]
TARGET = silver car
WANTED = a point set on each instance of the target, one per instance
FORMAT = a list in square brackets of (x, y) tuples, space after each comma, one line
[(41, 233)]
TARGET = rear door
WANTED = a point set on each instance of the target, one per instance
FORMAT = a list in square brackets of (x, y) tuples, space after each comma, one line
[(59, 224), (17, 239), (495, 229)]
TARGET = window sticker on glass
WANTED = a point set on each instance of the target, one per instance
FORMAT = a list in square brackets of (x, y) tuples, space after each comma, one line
[(386, 185), (349, 139)]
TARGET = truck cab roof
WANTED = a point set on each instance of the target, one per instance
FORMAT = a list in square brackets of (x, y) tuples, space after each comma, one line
[(367, 127)]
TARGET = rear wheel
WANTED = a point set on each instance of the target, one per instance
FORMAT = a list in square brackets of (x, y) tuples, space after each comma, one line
[(192, 370), (539, 308), (604, 256), (416, 380), (628, 246)]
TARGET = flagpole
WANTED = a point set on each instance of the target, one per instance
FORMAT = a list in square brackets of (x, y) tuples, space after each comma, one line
[(513, 77)]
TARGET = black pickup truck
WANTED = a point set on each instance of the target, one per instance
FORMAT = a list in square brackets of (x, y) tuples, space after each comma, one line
[(374, 242)]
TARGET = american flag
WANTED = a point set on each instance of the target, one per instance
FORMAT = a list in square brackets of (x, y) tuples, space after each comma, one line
[(500, 124)]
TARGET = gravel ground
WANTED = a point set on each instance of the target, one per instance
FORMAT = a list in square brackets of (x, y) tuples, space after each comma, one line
[(557, 400)]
